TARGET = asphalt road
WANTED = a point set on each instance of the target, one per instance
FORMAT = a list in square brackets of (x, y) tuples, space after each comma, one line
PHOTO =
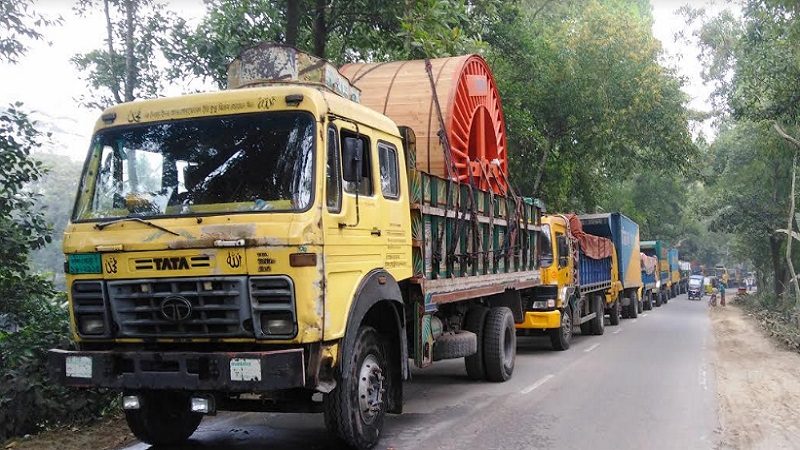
[(647, 383)]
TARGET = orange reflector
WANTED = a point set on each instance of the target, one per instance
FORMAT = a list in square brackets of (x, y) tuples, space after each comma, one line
[(303, 259)]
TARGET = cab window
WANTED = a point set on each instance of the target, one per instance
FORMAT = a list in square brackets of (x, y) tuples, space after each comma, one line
[(365, 187), (546, 246), (333, 180), (563, 250), (387, 160)]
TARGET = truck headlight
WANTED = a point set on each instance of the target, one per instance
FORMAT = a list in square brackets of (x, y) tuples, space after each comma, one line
[(277, 323), (91, 325), (544, 304), (658, 284)]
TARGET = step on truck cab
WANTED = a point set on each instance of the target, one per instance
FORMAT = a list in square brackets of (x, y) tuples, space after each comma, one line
[(580, 283), (274, 248), (663, 287), (624, 233)]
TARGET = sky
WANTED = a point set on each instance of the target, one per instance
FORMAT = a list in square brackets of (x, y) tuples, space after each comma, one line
[(49, 84)]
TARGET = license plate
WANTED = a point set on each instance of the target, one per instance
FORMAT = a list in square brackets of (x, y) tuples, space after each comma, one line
[(79, 367), (245, 369)]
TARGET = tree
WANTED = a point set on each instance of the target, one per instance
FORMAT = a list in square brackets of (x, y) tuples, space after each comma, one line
[(125, 69), (586, 100), (18, 25)]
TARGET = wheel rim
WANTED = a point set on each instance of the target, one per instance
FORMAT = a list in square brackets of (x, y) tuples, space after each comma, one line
[(566, 325), (370, 389)]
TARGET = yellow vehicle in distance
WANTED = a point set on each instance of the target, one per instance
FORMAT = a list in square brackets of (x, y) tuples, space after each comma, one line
[(576, 290)]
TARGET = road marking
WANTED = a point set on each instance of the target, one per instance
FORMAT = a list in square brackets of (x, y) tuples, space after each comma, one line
[(703, 379), (592, 347), (538, 383), (644, 315), (634, 320), (617, 331)]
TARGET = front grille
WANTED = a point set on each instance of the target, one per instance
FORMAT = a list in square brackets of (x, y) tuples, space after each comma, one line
[(88, 300), (181, 307)]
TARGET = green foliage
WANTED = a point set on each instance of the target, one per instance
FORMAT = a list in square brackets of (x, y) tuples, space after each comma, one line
[(33, 315), (125, 68), (19, 23)]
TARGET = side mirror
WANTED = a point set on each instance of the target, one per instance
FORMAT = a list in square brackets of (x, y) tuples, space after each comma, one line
[(352, 157)]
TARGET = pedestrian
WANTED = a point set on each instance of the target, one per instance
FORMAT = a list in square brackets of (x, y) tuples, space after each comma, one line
[(722, 288)]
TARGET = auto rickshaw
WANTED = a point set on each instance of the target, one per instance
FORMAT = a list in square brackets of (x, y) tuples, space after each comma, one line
[(695, 291)]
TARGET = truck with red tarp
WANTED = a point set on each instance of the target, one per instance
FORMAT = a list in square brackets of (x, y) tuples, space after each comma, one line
[(580, 283)]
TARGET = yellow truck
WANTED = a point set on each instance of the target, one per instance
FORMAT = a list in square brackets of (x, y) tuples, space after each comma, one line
[(578, 289), (274, 248)]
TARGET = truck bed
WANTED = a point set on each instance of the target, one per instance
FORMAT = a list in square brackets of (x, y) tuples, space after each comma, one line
[(469, 243), (595, 274)]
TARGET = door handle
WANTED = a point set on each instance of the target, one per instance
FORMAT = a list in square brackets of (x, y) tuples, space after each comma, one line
[(375, 232)]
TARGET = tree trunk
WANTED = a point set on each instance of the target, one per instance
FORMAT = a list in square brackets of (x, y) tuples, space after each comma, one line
[(777, 267), (320, 29), (542, 162), (130, 59), (790, 228), (111, 54), (292, 21)]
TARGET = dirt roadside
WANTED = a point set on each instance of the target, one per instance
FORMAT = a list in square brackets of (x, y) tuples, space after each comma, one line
[(758, 384), (107, 434)]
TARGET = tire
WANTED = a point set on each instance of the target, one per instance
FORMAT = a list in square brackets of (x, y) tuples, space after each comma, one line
[(455, 345), (648, 304), (666, 298), (658, 297), (499, 344), (475, 322), (164, 418), (613, 314), (355, 409), (639, 306), (599, 322), (561, 337), (586, 327), (633, 308)]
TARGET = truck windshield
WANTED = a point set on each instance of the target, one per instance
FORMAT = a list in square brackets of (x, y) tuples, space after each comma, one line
[(546, 246), (210, 165)]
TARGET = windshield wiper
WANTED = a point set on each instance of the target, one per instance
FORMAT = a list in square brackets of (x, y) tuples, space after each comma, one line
[(102, 225)]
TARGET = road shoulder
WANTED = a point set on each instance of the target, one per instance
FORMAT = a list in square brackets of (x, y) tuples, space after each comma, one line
[(758, 387)]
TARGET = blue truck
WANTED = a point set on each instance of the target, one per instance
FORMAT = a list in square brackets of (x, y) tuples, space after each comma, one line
[(624, 233)]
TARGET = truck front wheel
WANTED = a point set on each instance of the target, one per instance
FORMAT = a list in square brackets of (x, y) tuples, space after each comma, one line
[(633, 308), (613, 314), (648, 301), (561, 337), (658, 299), (163, 418), (355, 410), (499, 344)]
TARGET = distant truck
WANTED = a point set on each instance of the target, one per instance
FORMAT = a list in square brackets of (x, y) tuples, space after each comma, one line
[(650, 295), (677, 280), (580, 283), (624, 234), (663, 283)]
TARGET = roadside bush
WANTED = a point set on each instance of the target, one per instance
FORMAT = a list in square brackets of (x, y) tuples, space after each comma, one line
[(29, 399)]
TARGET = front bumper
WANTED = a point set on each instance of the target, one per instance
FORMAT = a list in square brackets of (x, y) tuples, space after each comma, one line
[(540, 320), (217, 371)]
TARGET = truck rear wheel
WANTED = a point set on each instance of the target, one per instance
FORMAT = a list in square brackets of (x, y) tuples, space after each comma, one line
[(476, 322), (613, 313), (666, 298), (599, 321), (164, 418), (658, 299), (639, 305), (561, 337), (499, 344), (355, 409), (648, 302), (633, 307)]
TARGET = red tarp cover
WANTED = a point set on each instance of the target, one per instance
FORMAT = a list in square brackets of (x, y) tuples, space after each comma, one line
[(648, 263), (595, 247)]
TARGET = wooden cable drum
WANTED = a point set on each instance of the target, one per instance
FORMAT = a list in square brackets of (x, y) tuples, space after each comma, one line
[(471, 109)]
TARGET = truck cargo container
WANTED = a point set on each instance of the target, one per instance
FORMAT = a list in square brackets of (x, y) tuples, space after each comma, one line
[(580, 283), (275, 247), (658, 249), (624, 234), (678, 282)]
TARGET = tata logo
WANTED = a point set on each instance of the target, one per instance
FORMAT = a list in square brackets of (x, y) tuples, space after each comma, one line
[(176, 308), (171, 263)]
